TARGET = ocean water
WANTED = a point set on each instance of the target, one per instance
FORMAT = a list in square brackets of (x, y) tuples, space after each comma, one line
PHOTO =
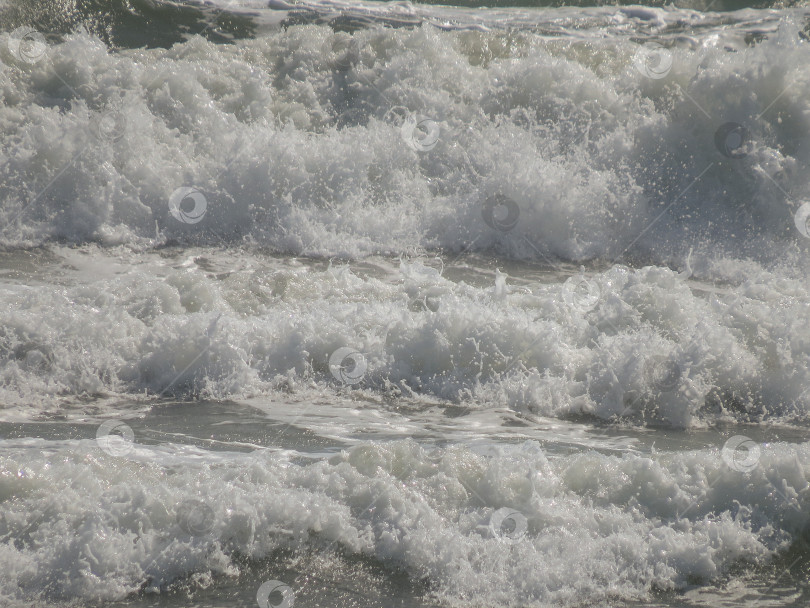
[(370, 304)]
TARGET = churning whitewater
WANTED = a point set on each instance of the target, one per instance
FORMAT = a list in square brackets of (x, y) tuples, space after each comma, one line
[(357, 302)]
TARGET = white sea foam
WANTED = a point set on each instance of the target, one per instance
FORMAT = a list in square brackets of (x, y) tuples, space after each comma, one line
[(591, 527), (295, 139), (642, 346), (458, 173), (294, 142)]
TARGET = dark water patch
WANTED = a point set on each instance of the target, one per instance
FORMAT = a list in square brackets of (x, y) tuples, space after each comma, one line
[(128, 23)]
